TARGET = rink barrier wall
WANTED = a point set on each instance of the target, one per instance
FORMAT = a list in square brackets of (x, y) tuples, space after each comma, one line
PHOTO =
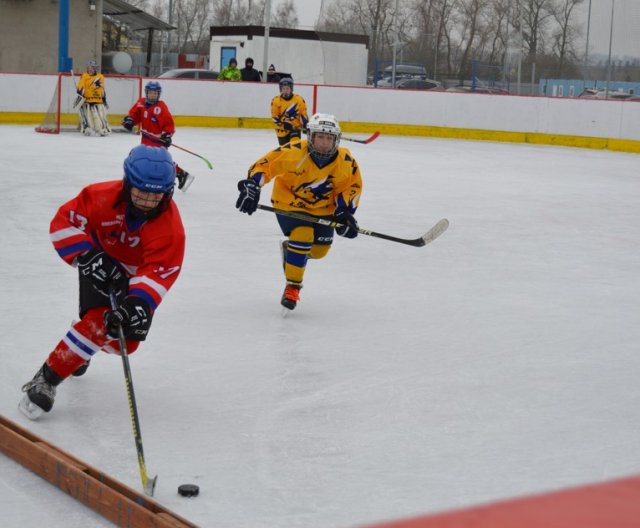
[(613, 504), (113, 500), (574, 122)]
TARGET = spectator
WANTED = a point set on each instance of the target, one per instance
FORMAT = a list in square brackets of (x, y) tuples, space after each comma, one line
[(272, 76), (230, 72), (249, 73)]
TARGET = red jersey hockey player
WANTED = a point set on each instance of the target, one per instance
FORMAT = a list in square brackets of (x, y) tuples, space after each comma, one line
[(156, 125), (126, 236)]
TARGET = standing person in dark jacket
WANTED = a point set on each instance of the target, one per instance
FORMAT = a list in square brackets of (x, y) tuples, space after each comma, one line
[(249, 73), (272, 76)]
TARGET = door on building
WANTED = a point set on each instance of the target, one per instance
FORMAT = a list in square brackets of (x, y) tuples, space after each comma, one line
[(226, 54)]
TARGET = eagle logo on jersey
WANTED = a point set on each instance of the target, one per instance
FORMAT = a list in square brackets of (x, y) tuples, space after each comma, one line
[(314, 192)]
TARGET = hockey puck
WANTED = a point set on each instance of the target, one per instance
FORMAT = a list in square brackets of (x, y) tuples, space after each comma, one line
[(188, 490)]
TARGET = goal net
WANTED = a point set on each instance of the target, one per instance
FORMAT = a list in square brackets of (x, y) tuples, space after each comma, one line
[(122, 92)]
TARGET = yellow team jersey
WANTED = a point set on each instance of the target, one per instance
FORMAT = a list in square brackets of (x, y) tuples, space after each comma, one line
[(292, 111), (91, 87), (299, 184)]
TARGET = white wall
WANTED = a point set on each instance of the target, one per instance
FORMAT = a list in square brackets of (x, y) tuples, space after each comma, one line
[(547, 115), (308, 61)]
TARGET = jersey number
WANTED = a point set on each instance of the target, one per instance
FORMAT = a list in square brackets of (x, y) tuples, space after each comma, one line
[(131, 241), (78, 219)]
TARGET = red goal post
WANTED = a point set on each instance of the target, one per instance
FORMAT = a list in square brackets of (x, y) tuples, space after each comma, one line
[(122, 92)]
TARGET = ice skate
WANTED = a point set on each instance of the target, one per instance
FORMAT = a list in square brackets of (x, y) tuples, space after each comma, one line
[(40, 393), (291, 295), (184, 179), (81, 369)]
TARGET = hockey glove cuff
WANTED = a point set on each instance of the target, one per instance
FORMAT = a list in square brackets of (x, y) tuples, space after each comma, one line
[(98, 268), (165, 138)]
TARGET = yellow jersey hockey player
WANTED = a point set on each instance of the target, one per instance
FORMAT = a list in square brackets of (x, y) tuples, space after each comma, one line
[(289, 112), (92, 101), (316, 177)]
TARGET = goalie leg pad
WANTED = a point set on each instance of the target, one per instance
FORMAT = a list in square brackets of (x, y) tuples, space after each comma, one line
[(84, 118), (92, 122), (99, 120), (102, 121)]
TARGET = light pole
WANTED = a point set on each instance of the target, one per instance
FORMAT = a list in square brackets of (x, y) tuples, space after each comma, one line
[(606, 91), (265, 52), (395, 46), (586, 48)]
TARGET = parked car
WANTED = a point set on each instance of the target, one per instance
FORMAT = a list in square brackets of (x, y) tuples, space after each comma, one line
[(189, 73), (411, 84), (494, 90), (403, 71), (600, 93)]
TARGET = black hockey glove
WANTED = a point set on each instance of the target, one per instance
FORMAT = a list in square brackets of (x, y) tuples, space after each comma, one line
[(249, 196), (96, 267), (127, 123), (349, 227), (165, 138), (134, 315), (287, 126)]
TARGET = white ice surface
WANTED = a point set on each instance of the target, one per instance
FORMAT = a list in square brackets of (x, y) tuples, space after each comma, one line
[(501, 360)]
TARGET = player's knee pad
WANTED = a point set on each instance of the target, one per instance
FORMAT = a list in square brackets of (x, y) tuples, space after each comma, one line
[(319, 251), (302, 234)]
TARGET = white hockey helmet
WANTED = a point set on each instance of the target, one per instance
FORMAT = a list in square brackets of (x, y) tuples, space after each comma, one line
[(325, 124)]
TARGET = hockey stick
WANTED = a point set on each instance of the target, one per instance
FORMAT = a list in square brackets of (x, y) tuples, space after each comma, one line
[(148, 485), (363, 141), (79, 98), (371, 138), (428, 237), (149, 134)]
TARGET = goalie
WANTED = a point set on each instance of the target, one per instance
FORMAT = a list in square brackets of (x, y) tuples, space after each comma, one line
[(92, 102)]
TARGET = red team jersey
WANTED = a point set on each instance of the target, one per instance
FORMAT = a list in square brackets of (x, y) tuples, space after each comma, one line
[(154, 119), (150, 251)]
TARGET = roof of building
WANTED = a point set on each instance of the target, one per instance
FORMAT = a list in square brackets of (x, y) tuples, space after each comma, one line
[(133, 17), (300, 34)]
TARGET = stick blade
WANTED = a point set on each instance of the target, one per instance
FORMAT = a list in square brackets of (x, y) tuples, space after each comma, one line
[(434, 232), (150, 486), (373, 137)]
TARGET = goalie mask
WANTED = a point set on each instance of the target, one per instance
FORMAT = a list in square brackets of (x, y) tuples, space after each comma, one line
[(149, 179), (92, 67), (152, 91), (323, 134)]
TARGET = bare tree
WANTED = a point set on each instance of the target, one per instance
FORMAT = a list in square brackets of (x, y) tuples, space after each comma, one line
[(565, 35), (192, 19), (285, 15), (365, 17)]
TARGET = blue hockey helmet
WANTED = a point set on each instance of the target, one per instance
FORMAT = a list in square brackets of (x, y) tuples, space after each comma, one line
[(151, 170), (152, 86)]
